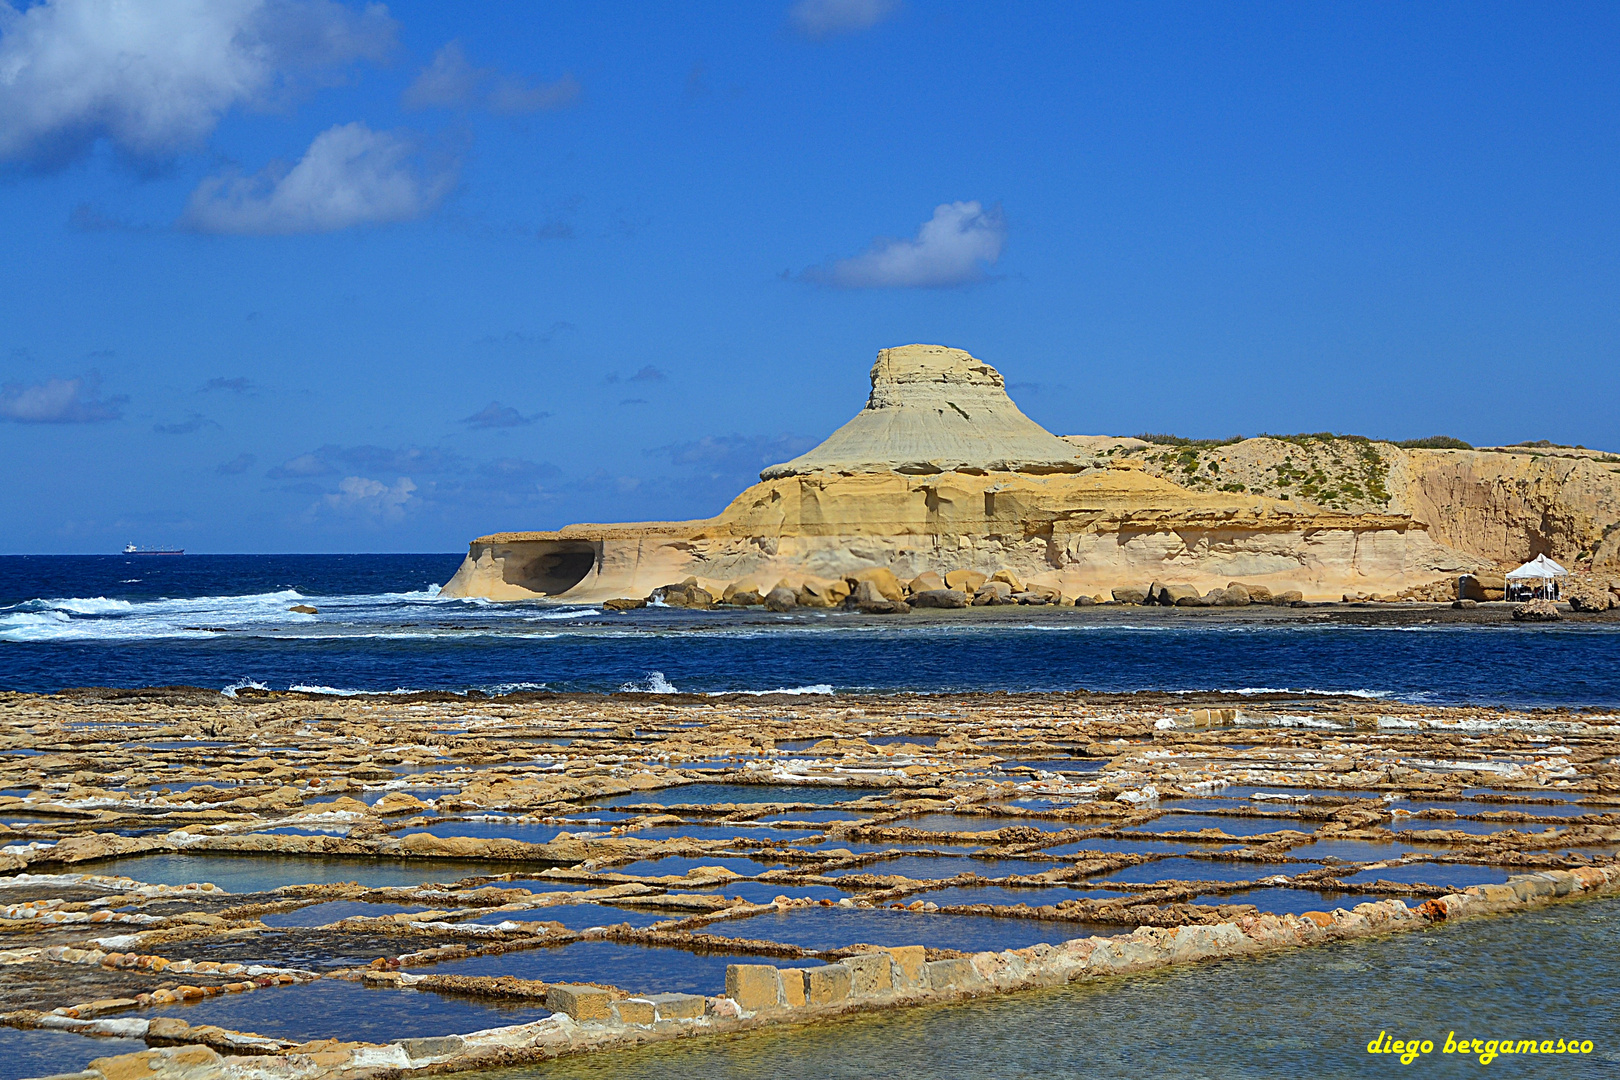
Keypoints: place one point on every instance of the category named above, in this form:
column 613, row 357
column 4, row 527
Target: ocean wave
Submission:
column 243, row 684
column 654, row 683
column 792, row 691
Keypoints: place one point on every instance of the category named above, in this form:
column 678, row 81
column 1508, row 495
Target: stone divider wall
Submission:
column 587, row 1018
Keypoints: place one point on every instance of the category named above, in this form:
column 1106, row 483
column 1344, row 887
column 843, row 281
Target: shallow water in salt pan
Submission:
column 833, row 928
column 1204, row 870
column 258, row 873
column 1281, row 901
column 636, row 968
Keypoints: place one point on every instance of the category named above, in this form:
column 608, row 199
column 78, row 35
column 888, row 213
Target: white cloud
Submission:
column 451, row 82
column 350, row 175
column 372, row 498
column 820, row 19
column 951, row 248
column 59, row 401
column 154, row 77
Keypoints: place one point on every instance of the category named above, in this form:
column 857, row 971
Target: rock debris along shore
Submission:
column 942, row 473
column 1066, row 836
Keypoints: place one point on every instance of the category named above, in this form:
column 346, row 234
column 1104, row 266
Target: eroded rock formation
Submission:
column 942, row 472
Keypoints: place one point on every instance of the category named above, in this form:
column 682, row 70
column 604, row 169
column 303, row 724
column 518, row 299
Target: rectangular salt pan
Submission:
column 639, row 969
column 1205, row 870
column 924, row 868
column 260, row 873
column 834, row 928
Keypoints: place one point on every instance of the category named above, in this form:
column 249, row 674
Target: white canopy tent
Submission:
column 1536, row 578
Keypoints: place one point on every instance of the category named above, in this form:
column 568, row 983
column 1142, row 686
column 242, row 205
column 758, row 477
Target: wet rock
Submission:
column 305, row 609
column 939, row 598
column 623, row 603
column 1536, row 611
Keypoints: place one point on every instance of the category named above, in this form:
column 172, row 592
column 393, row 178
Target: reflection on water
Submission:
column 636, row 968
column 51, row 1053
column 1304, row 1013
column 832, row 928
column 260, row 873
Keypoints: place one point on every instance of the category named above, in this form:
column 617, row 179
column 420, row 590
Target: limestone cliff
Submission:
column 1504, row 505
column 941, row 471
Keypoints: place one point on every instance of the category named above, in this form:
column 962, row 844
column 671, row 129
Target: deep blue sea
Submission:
column 223, row 620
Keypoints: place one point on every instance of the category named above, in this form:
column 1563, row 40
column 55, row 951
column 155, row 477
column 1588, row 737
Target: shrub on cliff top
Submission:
column 1434, row 442
column 1176, row 440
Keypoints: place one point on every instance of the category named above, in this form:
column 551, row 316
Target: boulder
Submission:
column 1192, row 600
column 1010, row 577
column 1536, row 611
column 744, row 593
column 1482, row 585
column 781, row 598
column 928, row 581
column 305, row 609
column 1085, row 601
column 993, row 592
column 686, row 594
column 1156, row 594
column 884, row 579
column 398, row 802
column 1290, row 596
column 1464, row 605
column 1171, row 595
column 939, row 598
column 823, row 592
column 1034, row 597
column 623, row 603
column 1238, row 596
column 1130, row 594
column 966, row 580
column 1588, row 598
column 1258, row 594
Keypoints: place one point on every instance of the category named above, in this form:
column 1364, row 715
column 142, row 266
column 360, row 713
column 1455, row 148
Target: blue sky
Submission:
column 299, row 275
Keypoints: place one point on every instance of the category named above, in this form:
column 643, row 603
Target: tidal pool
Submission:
column 1237, row 1019
column 924, row 867
column 1206, row 870
column 51, row 1053
column 260, row 873
column 639, row 969
column 835, row 928
column 335, row 1008
column 1231, row 826
column 1450, row 875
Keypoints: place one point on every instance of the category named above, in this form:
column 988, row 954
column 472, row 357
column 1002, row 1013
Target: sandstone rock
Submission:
column 1034, row 598
column 742, row 594
column 1288, row 596
column 822, row 592
column 1238, row 596
column 1085, row 601
column 1172, row 595
column 1011, row 577
column 1258, row 594
column 678, row 1006
column 623, row 603
column 754, row 986
column 827, row 985
column 933, row 409
column 398, row 802
column 781, row 599
column 993, row 592
column 635, row 1011
column 793, row 987
column 1481, row 586
column 687, row 594
column 939, row 598
column 305, row 609
column 1464, row 605
column 927, row 581
column 1130, row 595
column 1192, row 601
column 967, row 581
column 580, row 1001
column 869, row 974
column 1536, row 611
column 1589, row 598
column 884, row 580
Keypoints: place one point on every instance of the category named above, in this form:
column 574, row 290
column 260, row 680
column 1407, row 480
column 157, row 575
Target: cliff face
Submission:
column 940, row 472
column 1503, row 505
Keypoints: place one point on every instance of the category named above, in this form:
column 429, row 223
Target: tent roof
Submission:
column 1538, row 567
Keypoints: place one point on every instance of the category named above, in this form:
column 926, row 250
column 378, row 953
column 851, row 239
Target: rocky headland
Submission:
column 942, row 476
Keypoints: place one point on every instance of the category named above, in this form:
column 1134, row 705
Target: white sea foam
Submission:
column 243, row 684
column 818, row 688
column 654, row 683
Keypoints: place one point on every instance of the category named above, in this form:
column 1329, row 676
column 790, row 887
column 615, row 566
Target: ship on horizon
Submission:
column 131, row 549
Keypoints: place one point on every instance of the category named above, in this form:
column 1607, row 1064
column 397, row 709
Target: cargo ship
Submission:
column 131, row 549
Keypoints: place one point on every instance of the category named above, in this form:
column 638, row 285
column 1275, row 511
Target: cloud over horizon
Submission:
column 349, row 176
column 954, row 247
column 60, row 401
column 154, row 78
column 822, row 19
column 496, row 415
column 450, row 81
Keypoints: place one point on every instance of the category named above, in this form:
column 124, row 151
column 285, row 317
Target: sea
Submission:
column 381, row 626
